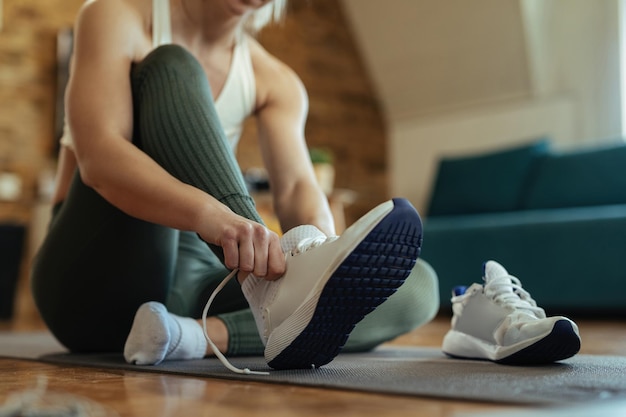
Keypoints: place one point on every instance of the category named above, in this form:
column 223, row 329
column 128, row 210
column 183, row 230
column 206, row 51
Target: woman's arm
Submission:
column 282, row 111
column 110, row 35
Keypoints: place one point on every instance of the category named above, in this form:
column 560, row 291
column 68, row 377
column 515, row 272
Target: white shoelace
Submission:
column 301, row 247
column 507, row 290
column 214, row 348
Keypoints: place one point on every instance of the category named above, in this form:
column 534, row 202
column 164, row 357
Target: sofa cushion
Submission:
column 588, row 177
column 490, row 182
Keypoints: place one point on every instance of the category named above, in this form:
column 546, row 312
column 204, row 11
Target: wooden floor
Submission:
column 139, row 394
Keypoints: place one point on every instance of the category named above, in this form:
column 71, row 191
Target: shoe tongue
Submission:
column 290, row 240
column 493, row 270
column 503, row 286
column 497, row 280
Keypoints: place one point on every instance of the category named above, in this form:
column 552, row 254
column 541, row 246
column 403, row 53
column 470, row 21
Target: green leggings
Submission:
column 97, row 265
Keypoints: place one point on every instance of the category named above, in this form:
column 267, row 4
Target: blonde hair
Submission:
column 273, row 11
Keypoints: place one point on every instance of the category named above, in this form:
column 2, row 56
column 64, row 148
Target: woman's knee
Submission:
column 417, row 298
column 414, row 304
column 171, row 58
column 427, row 286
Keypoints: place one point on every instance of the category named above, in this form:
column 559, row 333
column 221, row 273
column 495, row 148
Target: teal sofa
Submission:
column 555, row 219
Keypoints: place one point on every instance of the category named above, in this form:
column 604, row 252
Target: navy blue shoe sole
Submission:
column 364, row 280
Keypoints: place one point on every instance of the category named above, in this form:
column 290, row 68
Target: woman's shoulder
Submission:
column 272, row 75
column 118, row 13
column 125, row 8
column 263, row 60
column 125, row 19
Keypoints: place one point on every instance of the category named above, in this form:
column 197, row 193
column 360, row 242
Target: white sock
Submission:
column 157, row 335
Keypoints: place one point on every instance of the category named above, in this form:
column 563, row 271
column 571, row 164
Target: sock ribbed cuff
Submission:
column 192, row 344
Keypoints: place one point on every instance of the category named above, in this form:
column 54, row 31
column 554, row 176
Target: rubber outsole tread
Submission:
column 364, row 280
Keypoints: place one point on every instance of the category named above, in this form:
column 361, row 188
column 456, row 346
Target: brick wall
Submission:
column 27, row 91
column 314, row 40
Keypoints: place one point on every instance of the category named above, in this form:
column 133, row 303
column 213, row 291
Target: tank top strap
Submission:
column 161, row 26
column 237, row 99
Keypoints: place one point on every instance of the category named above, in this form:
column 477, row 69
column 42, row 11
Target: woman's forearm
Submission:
column 137, row 185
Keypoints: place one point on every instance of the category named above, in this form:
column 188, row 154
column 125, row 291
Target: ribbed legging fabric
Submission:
column 97, row 265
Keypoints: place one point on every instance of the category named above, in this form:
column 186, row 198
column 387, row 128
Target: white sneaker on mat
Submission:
column 331, row 283
column 499, row 321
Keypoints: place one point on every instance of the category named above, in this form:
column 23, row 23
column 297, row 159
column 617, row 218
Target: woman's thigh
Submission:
column 95, row 267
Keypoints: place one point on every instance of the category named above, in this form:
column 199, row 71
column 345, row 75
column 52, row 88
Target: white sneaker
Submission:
column 499, row 321
column 331, row 283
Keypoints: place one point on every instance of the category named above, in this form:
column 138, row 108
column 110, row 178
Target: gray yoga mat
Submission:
column 390, row 369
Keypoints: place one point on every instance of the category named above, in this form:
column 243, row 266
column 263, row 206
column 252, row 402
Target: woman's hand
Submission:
column 247, row 245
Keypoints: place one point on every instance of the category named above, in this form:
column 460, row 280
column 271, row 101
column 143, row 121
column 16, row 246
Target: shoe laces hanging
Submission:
column 214, row 348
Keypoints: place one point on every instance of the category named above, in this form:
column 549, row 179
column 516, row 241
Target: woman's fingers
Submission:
column 275, row 260
column 230, row 247
column 254, row 249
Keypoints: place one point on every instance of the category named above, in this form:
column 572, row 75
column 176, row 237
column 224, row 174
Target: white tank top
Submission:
column 236, row 100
